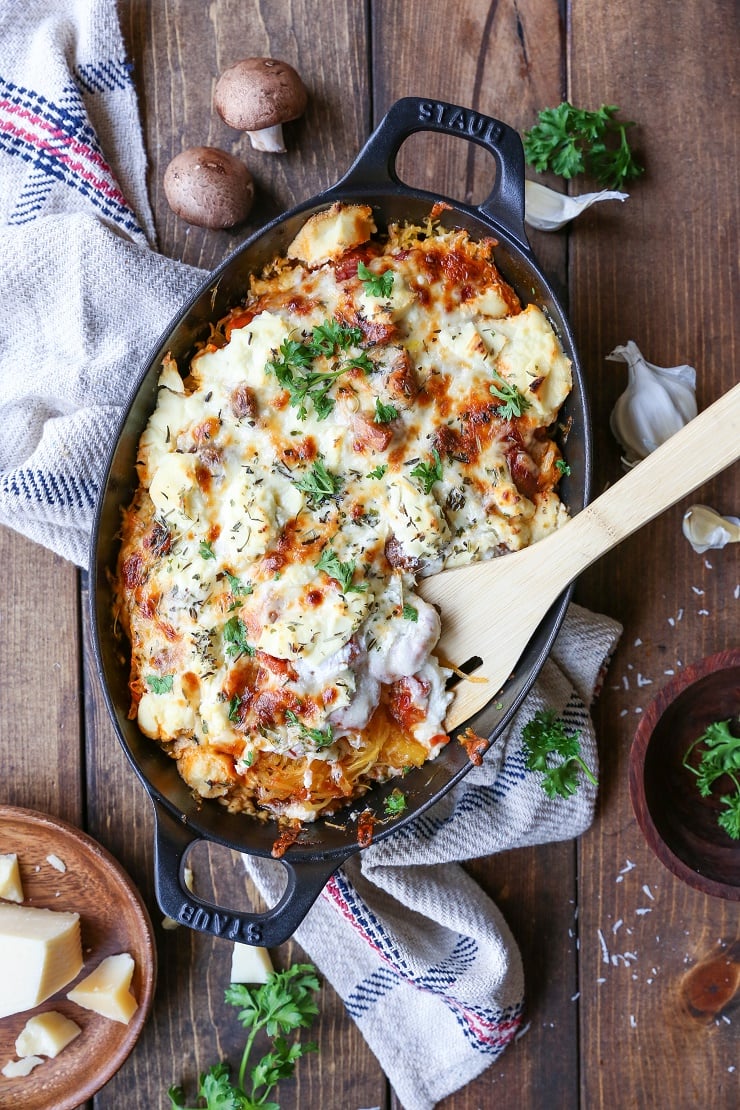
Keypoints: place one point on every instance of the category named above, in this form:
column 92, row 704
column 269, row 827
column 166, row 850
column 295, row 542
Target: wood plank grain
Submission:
column 505, row 59
column 659, row 272
column 40, row 729
column 178, row 50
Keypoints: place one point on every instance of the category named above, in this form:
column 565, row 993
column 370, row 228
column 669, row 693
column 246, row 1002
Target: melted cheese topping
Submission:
column 377, row 409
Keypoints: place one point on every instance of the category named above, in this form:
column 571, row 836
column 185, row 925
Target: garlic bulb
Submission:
column 549, row 210
column 704, row 528
column 657, row 402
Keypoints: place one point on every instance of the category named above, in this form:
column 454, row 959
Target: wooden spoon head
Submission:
column 479, row 636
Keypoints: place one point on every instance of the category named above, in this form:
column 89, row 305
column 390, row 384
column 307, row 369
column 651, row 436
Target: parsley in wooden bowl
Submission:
column 684, row 775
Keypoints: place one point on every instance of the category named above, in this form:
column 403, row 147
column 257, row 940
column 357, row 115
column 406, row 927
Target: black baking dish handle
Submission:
column 306, row 880
column 375, row 165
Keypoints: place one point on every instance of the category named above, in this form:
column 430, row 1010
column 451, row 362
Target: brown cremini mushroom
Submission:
column 259, row 95
column 209, row 187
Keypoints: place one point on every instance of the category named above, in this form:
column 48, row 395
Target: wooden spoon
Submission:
column 528, row 581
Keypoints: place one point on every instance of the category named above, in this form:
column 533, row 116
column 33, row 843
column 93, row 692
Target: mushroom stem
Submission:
column 269, row 138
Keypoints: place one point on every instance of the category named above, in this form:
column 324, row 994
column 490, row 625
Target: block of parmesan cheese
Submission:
column 46, row 1035
column 40, row 953
column 250, row 964
column 11, row 886
column 106, row 989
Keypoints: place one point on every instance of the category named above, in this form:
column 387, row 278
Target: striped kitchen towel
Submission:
column 421, row 956
column 85, row 297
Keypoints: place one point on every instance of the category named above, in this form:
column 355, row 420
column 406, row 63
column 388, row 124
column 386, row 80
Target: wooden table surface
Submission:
column 659, row 270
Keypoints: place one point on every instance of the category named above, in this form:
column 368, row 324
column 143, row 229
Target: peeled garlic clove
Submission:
column 548, row 210
column 704, row 528
column 657, row 402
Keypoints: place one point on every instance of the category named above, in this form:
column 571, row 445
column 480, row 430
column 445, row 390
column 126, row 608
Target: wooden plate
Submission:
column 678, row 823
column 113, row 919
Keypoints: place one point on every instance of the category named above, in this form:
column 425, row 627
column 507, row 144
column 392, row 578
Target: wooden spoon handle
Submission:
column 706, row 445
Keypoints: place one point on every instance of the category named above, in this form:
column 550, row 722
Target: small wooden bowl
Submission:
column 679, row 825
column 113, row 918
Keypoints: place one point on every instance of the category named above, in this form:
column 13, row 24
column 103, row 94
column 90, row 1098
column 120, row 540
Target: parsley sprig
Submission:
column 322, row 738
column 235, row 637
column 160, row 683
column 282, row 1005
column 428, row 473
column 293, row 365
column 377, row 285
column 384, row 413
column 720, row 755
column 331, row 336
column 513, row 402
column 319, row 484
column 237, row 587
column 543, row 738
column 341, row 572
column 569, row 140
column 395, row 804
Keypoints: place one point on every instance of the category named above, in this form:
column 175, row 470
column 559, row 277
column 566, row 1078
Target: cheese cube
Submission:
column 250, row 964
column 10, row 878
column 40, row 953
column 106, row 989
column 15, row 1069
column 46, row 1035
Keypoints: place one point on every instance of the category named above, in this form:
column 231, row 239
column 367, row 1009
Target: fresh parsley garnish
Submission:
column 384, row 413
column 294, row 355
column 322, row 738
column 569, row 141
column 160, row 683
column 720, row 755
column 543, row 738
column 234, row 705
column 395, row 803
column 327, row 337
column 729, row 818
column 359, row 362
column 378, row 471
column 319, row 483
column 293, row 366
column 377, row 285
column 513, row 403
column 410, row 614
column 237, row 587
column 282, row 1005
column 235, row 637
column 304, row 384
column 428, row 473
column 562, row 466
column 339, row 571
column 206, row 551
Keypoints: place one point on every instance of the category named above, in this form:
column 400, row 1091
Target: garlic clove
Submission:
column 705, row 528
column 548, row 210
column 657, row 402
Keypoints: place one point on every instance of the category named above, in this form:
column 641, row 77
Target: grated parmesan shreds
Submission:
column 604, row 949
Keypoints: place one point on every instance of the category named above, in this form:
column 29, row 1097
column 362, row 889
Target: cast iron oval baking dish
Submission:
column 181, row 819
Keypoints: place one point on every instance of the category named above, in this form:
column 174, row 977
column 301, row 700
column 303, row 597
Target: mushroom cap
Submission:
column 259, row 92
column 209, row 187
